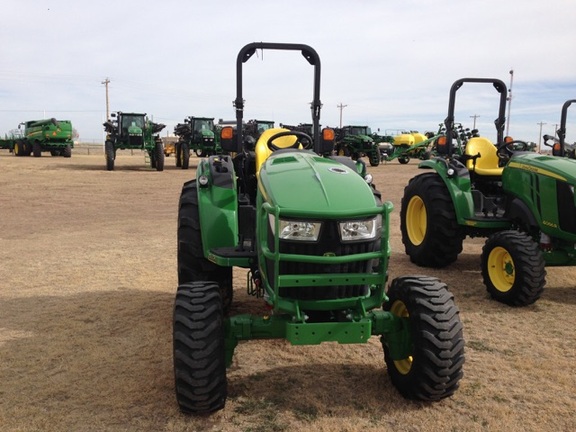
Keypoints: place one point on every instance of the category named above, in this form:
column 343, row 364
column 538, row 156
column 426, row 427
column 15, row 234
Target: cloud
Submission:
column 392, row 63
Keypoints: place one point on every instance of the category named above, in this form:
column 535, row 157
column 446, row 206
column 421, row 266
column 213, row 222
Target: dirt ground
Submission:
column 87, row 284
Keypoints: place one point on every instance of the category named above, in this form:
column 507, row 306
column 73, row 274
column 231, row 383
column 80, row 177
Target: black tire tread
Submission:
column 437, row 339
column 199, row 349
column 529, row 266
column 443, row 240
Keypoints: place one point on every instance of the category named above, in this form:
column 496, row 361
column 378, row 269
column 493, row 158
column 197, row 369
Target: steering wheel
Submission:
column 506, row 149
column 301, row 139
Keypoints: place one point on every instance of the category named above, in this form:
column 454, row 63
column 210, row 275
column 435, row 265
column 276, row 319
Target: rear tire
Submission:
column 430, row 233
column 199, row 348
column 433, row 369
column 513, row 268
column 192, row 265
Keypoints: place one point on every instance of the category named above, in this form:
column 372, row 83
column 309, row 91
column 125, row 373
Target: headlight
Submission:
column 297, row 230
column 360, row 229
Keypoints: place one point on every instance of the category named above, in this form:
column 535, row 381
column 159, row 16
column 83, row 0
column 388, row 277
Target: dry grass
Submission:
column 87, row 280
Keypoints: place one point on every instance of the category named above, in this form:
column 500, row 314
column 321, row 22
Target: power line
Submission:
column 106, row 82
column 540, row 134
column 341, row 107
column 475, row 116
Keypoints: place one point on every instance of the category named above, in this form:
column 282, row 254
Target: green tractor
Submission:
column 357, row 141
column 521, row 201
column 49, row 135
column 559, row 145
column 133, row 131
column 195, row 134
column 314, row 238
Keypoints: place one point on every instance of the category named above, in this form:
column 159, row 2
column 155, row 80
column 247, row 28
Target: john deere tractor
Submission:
column 522, row 202
column 195, row 134
column 133, row 131
column 357, row 141
column 559, row 145
column 314, row 238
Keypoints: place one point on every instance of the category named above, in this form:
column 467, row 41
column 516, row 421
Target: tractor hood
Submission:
column 303, row 183
column 560, row 168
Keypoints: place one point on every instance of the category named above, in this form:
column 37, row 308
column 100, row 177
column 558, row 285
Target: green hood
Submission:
column 560, row 168
column 303, row 183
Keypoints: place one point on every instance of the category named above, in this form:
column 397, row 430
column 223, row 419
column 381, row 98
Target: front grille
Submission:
column 328, row 244
column 135, row 140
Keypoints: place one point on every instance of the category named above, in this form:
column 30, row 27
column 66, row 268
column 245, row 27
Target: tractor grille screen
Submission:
column 328, row 244
column 566, row 208
column 135, row 141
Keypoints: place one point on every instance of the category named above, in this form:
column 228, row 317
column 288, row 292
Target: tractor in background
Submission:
column 522, row 202
column 314, row 238
column 357, row 141
column 195, row 134
column 133, row 131
column 559, row 145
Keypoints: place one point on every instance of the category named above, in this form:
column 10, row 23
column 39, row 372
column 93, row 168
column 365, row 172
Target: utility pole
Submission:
column 556, row 129
column 509, row 101
column 540, row 134
column 106, row 82
column 475, row 116
column 341, row 107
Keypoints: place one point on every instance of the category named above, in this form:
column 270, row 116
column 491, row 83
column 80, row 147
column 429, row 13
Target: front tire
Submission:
column 67, row 151
column 513, row 268
column 430, row 233
column 110, row 155
column 433, row 369
column 192, row 265
column 185, row 156
column 159, row 155
column 199, row 349
column 36, row 149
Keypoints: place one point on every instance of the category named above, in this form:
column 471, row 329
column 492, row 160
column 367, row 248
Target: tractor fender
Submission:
column 458, row 185
column 518, row 210
column 217, row 202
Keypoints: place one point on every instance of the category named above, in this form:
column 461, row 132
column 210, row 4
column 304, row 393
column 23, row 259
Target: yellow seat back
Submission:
column 262, row 151
column 487, row 161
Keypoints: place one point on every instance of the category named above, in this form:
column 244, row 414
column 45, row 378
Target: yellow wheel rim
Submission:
column 399, row 309
column 416, row 221
column 501, row 269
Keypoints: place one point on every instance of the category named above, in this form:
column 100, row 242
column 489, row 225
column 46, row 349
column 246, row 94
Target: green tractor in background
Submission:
column 195, row 134
column 357, row 141
column 133, row 131
column 314, row 237
column 54, row 136
column 521, row 201
column 559, row 145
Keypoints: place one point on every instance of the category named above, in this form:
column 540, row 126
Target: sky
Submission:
column 388, row 64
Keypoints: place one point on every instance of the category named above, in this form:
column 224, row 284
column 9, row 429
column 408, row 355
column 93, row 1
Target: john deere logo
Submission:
column 329, row 254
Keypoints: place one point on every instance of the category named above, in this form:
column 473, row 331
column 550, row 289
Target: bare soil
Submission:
column 87, row 284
